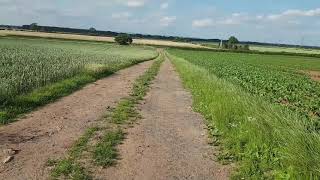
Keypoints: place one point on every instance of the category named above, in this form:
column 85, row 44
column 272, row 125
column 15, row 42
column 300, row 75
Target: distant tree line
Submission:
column 93, row 32
column 52, row 29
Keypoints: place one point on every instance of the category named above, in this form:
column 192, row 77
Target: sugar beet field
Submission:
column 263, row 109
column 261, row 112
column 279, row 79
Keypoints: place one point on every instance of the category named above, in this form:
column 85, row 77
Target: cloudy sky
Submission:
column 279, row 21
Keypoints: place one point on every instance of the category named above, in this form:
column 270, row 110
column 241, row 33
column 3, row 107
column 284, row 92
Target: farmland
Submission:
column 284, row 49
column 260, row 108
column 96, row 38
column 271, row 49
column 28, row 65
column 159, row 90
column 277, row 78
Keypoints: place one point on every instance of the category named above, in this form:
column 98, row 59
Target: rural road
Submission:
column 169, row 142
column 51, row 130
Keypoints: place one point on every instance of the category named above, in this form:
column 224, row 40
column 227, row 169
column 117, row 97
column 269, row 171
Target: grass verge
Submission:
column 69, row 167
column 266, row 140
column 104, row 152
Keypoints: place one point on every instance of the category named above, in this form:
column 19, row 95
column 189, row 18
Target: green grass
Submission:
column 276, row 78
column 124, row 111
column 105, row 152
column 25, row 103
column 211, row 45
column 35, row 72
column 70, row 170
column 69, row 167
column 267, row 140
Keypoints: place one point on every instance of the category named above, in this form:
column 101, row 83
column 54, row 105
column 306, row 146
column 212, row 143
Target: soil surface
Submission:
column 170, row 142
column 315, row 75
column 48, row 132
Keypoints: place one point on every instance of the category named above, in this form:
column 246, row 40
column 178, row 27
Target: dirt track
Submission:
column 51, row 130
column 170, row 142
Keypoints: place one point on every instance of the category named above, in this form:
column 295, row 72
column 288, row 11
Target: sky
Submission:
column 275, row 21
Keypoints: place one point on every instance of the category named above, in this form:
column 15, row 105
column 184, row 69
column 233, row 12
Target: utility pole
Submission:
column 302, row 41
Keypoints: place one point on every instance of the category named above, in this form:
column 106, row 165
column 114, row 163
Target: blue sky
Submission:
column 279, row 21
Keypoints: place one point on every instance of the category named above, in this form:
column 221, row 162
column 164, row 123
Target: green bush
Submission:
column 123, row 39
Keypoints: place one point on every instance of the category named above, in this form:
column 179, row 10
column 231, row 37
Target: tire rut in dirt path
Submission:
column 170, row 141
column 47, row 133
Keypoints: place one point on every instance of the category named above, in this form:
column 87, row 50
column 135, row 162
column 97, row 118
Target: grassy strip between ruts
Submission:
column 28, row 102
column 104, row 152
column 266, row 140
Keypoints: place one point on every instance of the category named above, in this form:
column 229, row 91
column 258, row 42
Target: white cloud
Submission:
column 292, row 13
column 235, row 19
column 201, row 23
column 236, row 14
column 230, row 21
column 259, row 17
column 288, row 17
column 167, row 20
column 121, row 15
column 135, row 3
column 294, row 22
column 164, row 5
column 312, row 12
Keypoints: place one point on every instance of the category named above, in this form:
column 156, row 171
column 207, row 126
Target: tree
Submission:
column 33, row 26
column 246, row 47
column 92, row 29
column 43, row 29
column 233, row 40
column 225, row 45
column 123, row 39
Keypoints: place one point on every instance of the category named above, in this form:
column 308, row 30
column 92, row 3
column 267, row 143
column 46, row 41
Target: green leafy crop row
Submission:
column 266, row 140
column 278, row 79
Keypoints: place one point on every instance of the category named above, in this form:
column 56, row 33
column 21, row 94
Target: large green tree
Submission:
column 34, row 26
column 233, row 40
column 123, row 39
column 92, row 29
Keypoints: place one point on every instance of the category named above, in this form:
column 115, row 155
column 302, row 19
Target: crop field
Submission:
column 271, row 49
column 261, row 108
column 262, row 111
column 277, row 78
column 285, row 49
column 97, row 38
column 153, row 89
column 30, row 64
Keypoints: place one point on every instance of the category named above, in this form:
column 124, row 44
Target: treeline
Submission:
column 94, row 32
column 53, row 29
